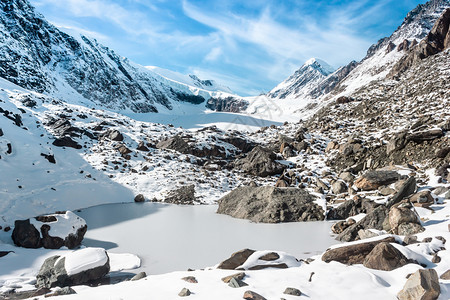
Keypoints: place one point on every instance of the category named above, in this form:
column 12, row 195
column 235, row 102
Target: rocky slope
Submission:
column 36, row 55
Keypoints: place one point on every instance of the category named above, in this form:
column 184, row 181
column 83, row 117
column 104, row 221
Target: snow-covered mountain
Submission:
column 35, row 55
column 314, row 80
column 303, row 80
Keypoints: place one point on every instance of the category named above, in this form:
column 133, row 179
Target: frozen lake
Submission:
column 174, row 238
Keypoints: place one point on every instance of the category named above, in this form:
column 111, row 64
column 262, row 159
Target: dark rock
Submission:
column 139, row 198
column 343, row 100
column 182, row 195
column 351, row 208
column 237, row 276
column 176, row 143
column 236, row 259
column 270, row 205
column 26, row 235
column 373, row 220
column 236, row 283
column 397, row 142
column 49, row 157
column 53, row 273
column 4, row 253
column 436, row 259
column 142, row 147
column 276, row 266
column 139, row 276
column 184, row 292
column 66, row 142
column 353, row 254
column 385, row 257
column 1, row 132
column 228, row 104
column 422, row 197
column 442, row 153
column 406, row 189
column 292, row 291
column 372, row 180
column 270, row 256
column 250, row 295
column 423, row 284
column 423, row 136
column 113, row 135
column 260, row 162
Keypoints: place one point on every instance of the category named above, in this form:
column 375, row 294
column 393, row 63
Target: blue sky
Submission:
column 250, row 45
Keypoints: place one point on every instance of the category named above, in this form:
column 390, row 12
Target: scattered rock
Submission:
column 238, row 276
column 49, row 157
column 270, row 256
column 338, row 187
column 66, row 142
column 250, row 295
column 276, row 266
column 139, row 276
column 190, row 279
column 182, row 195
column 270, row 205
column 401, row 215
column 142, row 147
column 26, row 235
column 422, row 197
column 236, row 283
column 385, row 257
column 423, row 284
column 71, row 269
column 292, row 291
column 407, row 188
column 445, row 275
column 184, row 292
column 366, row 234
column 353, row 254
column 139, row 198
column 372, row 180
column 237, row 259
column 260, row 162
column 113, row 135
column 436, row 259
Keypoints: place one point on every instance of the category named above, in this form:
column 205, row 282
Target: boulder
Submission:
column 182, row 195
column 409, row 229
column 353, row 254
column 50, row 231
column 400, row 215
column 113, row 135
column 139, row 198
column 292, row 291
column 260, row 162
column 373, row 220
column 422, row 285
column 66, row 141
column 372, row 180
column 142, row 147
column 237, row 259
column 445, row 275
column 236, row 283
column 176, row 143
column 351, row 208
column 408, row 187
column 184, row 292
column 78, row 267
column 238, row 276
column 386, row 257
column 422, row 197
column 339, row 187
column 270, row 205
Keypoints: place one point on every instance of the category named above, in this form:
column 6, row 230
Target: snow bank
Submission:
column 64, row 225
column 84, row 259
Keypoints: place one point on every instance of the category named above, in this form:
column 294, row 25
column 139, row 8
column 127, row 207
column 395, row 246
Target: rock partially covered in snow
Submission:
column 371, row 180
column 260, row 162
column 270, row 205
column 423, row 284
column 78, row 267
column 50, row 231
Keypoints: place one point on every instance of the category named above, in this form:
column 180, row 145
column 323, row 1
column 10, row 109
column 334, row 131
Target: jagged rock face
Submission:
column 36, row 55
column 228, row 104
column 437, row 40
column 302, row 81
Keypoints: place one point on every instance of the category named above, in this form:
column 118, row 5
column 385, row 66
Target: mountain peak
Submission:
column 318, row 63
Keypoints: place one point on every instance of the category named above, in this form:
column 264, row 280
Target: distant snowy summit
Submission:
column 190, row 80
column 303, row 80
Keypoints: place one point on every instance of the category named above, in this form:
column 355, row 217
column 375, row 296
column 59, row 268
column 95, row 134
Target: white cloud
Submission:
column 214, row 54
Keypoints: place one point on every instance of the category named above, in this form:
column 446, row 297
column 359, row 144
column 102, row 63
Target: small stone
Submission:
column 427, row 240
column 292, row 291
column 139, row 198
column 236, row 283
column 138, row 276
column 190, row 279
column 184, row 292
column 436, row 259
column 238, row 276
column 250, row 295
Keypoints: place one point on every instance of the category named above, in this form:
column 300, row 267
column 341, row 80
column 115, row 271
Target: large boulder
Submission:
column 50, row 231
column 78, row 267
column 260, row 162
column 270, row 205
column 237, row 259
column 386, row 257
column 353, row 254
column 372, row 180
column 66, row 141
column 422, row 285
column 401, row 215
